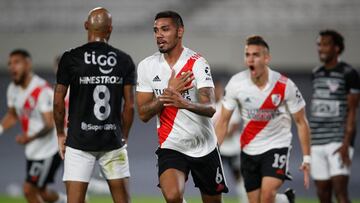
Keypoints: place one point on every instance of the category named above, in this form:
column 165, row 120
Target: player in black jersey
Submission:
column 336, row 88
column 100, row 77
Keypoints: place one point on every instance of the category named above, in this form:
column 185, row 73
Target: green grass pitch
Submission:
column 144, row 199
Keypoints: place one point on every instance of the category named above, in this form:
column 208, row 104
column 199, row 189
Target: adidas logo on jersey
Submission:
column 157, row 79
column 247, row 100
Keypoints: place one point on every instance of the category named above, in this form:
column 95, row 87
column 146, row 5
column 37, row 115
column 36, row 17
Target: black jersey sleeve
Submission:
column 129, row 78
column 63, row 75
column 352, row 81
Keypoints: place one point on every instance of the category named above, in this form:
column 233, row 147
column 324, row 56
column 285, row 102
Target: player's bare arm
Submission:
column 48, row 126
column 59, row 115
column 221, row 126
column 10, row 119
column 205, row 107
column 303, row 129
column 128, row 111
column 352, row 100
column 148, row 105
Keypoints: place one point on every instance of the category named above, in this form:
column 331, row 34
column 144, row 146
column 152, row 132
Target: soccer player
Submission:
column 29, row 101
column 267, row 100
column 336, row 89
column 175, row 84
column 230, row 148
column 100, row 77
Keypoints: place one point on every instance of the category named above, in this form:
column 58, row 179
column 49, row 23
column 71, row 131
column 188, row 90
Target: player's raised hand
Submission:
column 182, row 82
column 305, row 167
column 61, row 144
column 171, row 97
column 343, row 151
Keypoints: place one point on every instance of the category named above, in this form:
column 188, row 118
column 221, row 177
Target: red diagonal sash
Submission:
column 168, row 114
column 29, row 106
column 254, row 126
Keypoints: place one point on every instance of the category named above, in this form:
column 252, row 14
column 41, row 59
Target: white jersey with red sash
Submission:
column 29, row 104
column 179, row 129
column 266, row 113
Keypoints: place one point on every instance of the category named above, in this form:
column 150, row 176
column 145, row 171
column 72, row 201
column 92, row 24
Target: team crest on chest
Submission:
column 333, row 85
column 276, row 98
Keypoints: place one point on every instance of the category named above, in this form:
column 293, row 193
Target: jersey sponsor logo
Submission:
column 92, row 127
column 336, row 74
column 325, row 108
column 158, row 92
column 157, row 79
column 106, row 62
column 321, row 93
column 100, row 80
column 262, row 114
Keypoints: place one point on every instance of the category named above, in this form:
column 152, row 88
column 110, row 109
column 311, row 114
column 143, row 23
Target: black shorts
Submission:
column 273, row 163
column 42, row 172
column 207, row 171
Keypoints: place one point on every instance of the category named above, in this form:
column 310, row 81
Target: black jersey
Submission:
column 96, row 74
column 329, row 102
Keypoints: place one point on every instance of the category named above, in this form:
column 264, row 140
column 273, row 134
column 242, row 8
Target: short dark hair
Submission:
column 24, row 53
column 173, row 15
column 337, row 38
column 257, row 40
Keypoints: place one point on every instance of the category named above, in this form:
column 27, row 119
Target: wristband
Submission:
column 1, row 129
column 306, row 159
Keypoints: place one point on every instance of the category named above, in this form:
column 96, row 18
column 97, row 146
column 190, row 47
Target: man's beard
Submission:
column 20, row 80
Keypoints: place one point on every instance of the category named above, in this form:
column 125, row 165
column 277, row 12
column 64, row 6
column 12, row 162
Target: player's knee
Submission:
column 268, row 195
column 173, row 195
column 341, row 195
column 324, row 195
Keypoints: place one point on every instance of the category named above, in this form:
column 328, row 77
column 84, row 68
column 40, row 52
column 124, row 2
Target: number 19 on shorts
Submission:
column 102, row 107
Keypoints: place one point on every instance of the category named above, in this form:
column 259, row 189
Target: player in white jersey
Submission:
column 230, row 148
column 267, row 100
column 176, row 85
column 29, row 101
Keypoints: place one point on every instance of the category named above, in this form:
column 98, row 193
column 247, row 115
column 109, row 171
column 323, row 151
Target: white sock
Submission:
column 281, row 198
column 62, row 198
column 184, row 201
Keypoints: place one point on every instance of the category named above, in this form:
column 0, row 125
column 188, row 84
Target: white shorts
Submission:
column 79, row 165
column 325, row 164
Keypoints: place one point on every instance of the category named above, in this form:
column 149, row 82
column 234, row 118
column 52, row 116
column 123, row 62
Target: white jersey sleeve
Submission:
column 45, row 101
column 293, row 98
column 143, row 83
column 10, row 96
column 230, row 101
column 202, row 74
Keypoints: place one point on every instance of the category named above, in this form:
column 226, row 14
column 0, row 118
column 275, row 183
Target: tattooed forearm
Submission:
column 148, row 110
column 59, row 107
column 45, row 131
column 206, row 105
